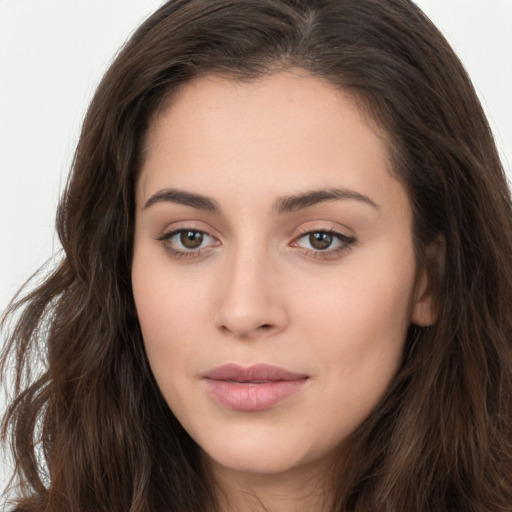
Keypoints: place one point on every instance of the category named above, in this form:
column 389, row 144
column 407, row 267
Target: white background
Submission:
column 52, row 55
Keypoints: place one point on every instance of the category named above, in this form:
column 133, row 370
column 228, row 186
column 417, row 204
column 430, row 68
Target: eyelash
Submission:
column 166, row 240
column 344, row 243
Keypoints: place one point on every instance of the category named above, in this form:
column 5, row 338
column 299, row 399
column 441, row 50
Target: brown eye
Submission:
column 326, row 244
column 187, row 242
column 191, row 239
column 320, row 240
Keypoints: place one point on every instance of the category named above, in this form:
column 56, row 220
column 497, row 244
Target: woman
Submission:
column 286, row 281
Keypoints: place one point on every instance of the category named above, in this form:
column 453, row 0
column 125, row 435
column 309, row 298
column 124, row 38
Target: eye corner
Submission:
column 187, row 242
column 323, row 243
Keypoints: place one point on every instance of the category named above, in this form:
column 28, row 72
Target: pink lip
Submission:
column 252, row 388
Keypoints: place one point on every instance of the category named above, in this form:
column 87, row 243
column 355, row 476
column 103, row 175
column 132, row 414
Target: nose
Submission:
column 252, row 302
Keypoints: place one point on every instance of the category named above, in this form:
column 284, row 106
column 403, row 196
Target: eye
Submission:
column 190, row 239
column 187, row 242
column 320, row 240
column 324, row 243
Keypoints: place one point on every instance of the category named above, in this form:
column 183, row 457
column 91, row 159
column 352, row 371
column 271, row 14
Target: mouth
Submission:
column 252, row 388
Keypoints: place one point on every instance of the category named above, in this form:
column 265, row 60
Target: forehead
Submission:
column 293, row 95
column 280, row 131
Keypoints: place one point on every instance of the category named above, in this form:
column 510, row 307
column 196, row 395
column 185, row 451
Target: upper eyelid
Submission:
column 172, row 232
column 323, row 230
column 341, row 236
column 177, row 227
column 192, row 225
column 178, row 252
column 325, row 227
column 346, row 243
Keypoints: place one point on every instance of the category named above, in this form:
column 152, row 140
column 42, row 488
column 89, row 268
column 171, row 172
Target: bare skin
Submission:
column 269, row 230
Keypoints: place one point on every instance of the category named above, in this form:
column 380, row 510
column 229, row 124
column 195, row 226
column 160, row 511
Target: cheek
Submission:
column 370, row 298
column 359, row 327
column 169, row 321
column 167, row 317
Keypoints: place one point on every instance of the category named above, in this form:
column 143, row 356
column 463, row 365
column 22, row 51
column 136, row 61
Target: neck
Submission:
column 301, row 489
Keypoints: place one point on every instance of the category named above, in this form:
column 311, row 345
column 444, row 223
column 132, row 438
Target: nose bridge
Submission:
column 250, row 301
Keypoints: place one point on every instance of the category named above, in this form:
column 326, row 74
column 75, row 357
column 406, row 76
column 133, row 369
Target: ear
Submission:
column 423, row 312
column 425, row 307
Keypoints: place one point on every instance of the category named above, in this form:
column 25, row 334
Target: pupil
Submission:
column 320, row 241
column 191, row 239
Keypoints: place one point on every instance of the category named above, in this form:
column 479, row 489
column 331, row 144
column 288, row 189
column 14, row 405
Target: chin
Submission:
column 259, row 455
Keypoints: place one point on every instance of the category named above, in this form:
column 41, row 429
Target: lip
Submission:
column 252, row 388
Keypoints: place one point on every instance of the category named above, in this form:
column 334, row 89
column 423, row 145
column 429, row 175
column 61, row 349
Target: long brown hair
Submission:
column 91, row 431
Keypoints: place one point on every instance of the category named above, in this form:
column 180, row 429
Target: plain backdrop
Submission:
column 52, row 55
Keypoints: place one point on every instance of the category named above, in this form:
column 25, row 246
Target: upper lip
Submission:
column 254, row 373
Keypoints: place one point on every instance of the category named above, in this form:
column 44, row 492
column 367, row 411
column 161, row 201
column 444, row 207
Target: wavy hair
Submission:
column 91, row 432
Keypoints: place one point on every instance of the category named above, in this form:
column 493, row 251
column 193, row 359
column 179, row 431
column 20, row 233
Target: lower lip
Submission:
column 246, row 396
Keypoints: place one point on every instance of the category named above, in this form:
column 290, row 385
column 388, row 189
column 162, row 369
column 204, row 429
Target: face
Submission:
column 273, row 272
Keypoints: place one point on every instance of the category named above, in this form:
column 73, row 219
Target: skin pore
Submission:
column 269, row 230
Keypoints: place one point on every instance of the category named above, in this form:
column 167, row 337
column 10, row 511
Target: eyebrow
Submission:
column 283, row 204
column 296, row 202
column 197, row 201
